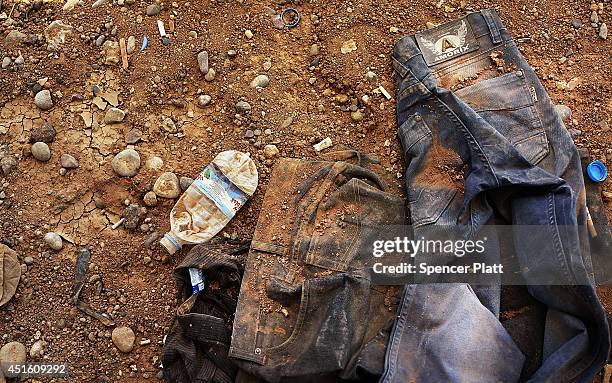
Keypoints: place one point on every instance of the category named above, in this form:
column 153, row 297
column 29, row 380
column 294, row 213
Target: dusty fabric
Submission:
column 307, row 307
column 196, row 348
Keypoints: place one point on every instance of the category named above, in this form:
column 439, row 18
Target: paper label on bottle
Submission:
column 216, row 186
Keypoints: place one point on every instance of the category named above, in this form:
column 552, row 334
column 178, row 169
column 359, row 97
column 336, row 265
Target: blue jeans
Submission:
column 483, row 145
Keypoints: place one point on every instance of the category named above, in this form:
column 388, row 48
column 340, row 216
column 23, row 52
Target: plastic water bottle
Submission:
column 212, row 200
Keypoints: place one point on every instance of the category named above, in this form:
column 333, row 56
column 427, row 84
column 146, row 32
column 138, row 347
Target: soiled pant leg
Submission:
column 502, row 166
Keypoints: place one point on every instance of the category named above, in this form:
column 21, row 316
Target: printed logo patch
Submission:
column 446, row 41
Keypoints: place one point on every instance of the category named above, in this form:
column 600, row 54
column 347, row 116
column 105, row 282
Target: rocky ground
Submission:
column 85, row 133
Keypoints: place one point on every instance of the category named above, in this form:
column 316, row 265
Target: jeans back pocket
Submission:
column 507, row 103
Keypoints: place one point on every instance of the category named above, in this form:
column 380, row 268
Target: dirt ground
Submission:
column 309, row 98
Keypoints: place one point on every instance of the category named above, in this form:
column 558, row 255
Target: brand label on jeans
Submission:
column 446, row 41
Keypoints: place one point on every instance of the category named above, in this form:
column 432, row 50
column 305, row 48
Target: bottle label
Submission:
column 197, row 280
column 216, row 186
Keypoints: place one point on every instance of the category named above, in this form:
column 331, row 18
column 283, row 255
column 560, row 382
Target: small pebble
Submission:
column 204, row 100
column 167, row 186
column 123, row 338
column 126, row 163
column 28, row 260
column 243, row 107
column 69, row 162
column 270, row 151
column 603, row 31
column 210, row 75
column 41, row 151
column 114, row 115
column 261, row 81
column 153, row 9
column 43, row 100
column 249, row 34
column 203, row 61
column 54, row 241
column 185, row 182
column 150, row 199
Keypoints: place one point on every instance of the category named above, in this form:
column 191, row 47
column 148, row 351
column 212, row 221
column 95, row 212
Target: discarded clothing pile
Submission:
column 483, row 146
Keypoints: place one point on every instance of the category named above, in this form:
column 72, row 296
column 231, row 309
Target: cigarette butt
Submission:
column 384, row 92
column 171, row 26
column 118, row 223
column 124, row 58
column 160, row 27
column 590, row 225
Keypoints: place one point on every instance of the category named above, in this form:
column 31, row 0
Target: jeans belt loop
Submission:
column 494, row 28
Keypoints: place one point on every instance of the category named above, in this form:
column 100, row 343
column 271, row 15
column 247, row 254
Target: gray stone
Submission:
column 100, row 40
column 44, row 133
column 261, row 81
column 185, row 182
column 133, row 215
column 8, row 164
column 123, row 338
column 249, row 134
column 203, row 61
column 41, row 151
column 564, row 112
column 167, row 186
column 13, row 352
column 371, row 77
column 28, row 260
column 594, row 17
column 575, row 132
column 131, row 45
column 126, row 163
column 603, row 31
column 576, row 23
column 69, row 162
column 133, row 136
column 15, row 37
column 243, row 107
column 19, row 61
column 43, row 100
column 153, row 9
column 150, row 199
column 114, row 115
column 231, row 53
column 54, row 241
column 204, row 100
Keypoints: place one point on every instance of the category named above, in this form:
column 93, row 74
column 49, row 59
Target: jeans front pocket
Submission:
column 507, row 103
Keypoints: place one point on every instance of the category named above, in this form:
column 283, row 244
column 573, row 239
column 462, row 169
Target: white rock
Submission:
column 260, row 81
column 167, row 186
column 43, row 100
column 69, row 162
column 126, row 163
column 54, row 241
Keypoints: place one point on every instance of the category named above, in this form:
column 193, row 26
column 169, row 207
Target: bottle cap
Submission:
column 170, row 243
column 597, row 171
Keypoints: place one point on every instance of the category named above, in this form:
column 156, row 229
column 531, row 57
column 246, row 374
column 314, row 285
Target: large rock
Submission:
column 123, row 338
column 126, row 163
column 13, row 352
column 167, row 186
column 11, row 273
column 44, row 133
column 41, row 151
